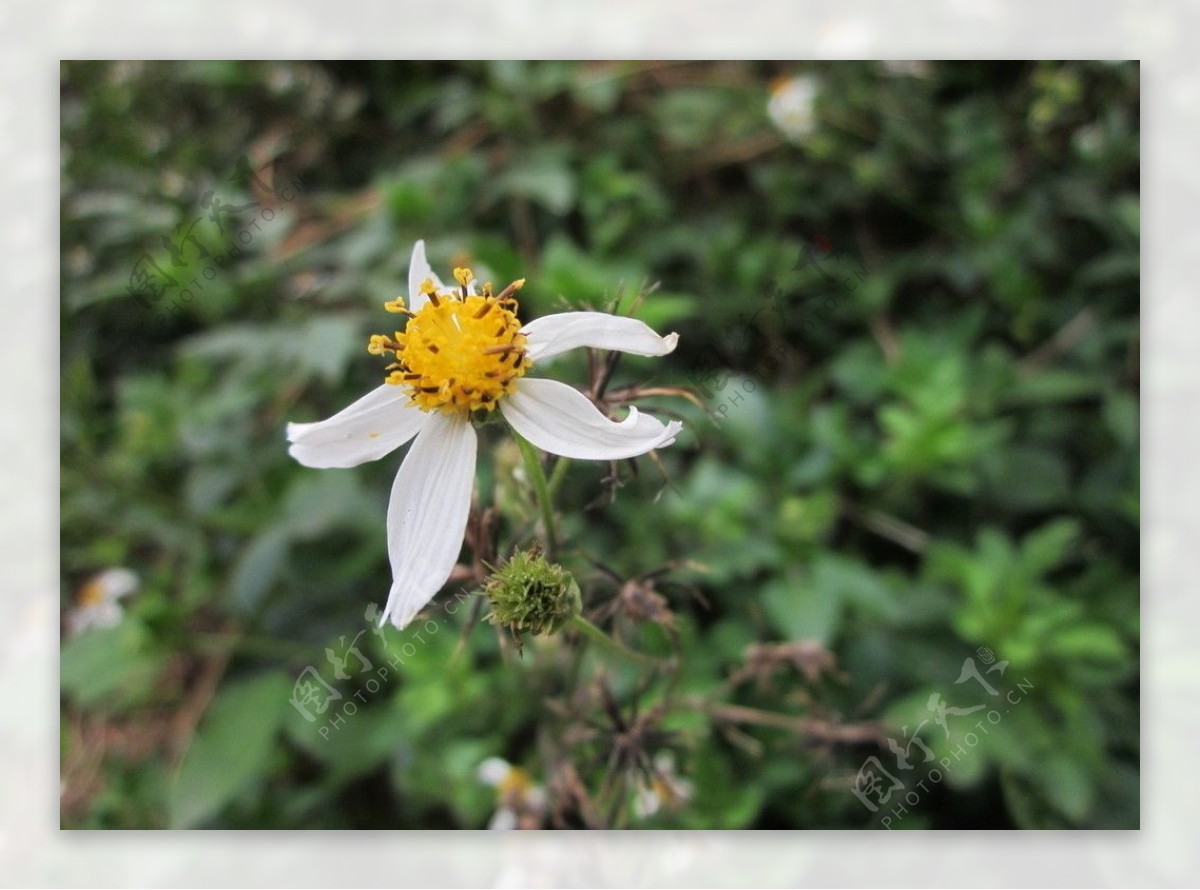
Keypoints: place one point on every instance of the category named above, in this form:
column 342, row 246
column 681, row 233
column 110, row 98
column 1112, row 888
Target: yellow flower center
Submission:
column 92, row 593
column 514, row 786
column 461, row 351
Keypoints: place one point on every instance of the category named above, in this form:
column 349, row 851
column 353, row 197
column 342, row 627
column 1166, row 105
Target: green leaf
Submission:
column 1047, row 547
column 1088, row 641
column 1053, row 386
column 542, row 177
column 1067, row 785
column 800, row 611
column 855, row 584
column 108, row 665
column 1121, row 416
column 359, row 744
column 257, row 569
column 1027, row 478
column 232, row 750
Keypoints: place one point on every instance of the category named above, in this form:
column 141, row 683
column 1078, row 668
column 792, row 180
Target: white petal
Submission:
column 504, row 819
column 418, row 271
column 427, row 514
column 552, row 334
column 375, row 425
column 116, row 583
column 646, row 803
column 494, row 771
column 96, row 615
column 560, row 419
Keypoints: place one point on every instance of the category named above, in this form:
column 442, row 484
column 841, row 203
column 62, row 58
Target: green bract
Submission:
column 528, row 594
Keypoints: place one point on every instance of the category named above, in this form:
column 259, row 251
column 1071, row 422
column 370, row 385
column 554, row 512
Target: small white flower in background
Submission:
column 96, row 603
column 792, row 106
column 462, row 351
column 520, row 803
column 906, row 68
column 664, row 789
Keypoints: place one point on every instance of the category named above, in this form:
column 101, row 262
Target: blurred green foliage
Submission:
column 914, row 332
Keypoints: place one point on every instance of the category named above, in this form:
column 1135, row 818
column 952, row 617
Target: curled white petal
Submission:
column 375, row 425
column 552, row 334
column 427, row 513
column 561, row 420
column 418, row 270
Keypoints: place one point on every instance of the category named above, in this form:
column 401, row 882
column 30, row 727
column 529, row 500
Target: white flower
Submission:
column 494, row 771
column 792, row 106
column 97, row 601
column 520, row 802
column 664, row 788
column 464, row 351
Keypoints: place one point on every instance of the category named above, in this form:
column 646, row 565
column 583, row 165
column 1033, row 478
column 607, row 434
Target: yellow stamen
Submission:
column 378, row 344
column 460, row 354
column 396, row 305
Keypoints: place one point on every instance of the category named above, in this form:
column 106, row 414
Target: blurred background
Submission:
column 893, row 557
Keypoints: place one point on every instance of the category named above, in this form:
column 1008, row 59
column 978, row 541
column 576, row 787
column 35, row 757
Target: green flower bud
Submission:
column 530, row 595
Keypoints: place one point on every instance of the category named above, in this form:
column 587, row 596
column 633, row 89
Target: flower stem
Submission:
column 558, row 474
column 597, row 635
column 533, row 466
